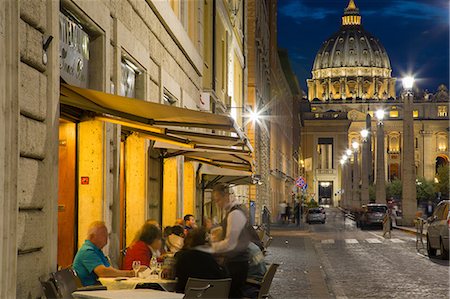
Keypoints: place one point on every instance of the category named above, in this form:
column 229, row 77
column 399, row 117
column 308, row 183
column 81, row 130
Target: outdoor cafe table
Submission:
column 130, row 283
column 124, row 294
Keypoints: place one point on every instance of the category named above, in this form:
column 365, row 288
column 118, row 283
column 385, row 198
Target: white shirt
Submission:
column 235, row 224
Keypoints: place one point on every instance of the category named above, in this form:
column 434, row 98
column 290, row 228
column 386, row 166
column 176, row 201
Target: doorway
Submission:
column 326, row 193
column 67, row 193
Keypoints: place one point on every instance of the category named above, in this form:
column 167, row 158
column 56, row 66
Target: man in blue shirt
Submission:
column 90, row 263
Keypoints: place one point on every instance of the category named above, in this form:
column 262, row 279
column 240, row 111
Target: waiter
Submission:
column 236, row 238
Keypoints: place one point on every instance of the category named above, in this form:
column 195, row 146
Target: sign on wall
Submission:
column 73, row 52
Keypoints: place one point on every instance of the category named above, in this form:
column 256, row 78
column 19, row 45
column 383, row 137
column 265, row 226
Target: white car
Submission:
column 438, row 230
column 315, row 215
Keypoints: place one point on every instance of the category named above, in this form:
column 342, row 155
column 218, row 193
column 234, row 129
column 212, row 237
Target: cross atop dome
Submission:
column 351, row 15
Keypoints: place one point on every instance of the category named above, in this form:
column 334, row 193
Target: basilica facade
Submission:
column 351, row 79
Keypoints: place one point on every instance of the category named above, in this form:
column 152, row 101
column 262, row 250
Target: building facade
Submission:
column 351, row 79
column 64, row 165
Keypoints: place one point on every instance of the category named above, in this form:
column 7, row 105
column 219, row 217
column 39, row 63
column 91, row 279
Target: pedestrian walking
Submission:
column 387, row 224
column 288, row 213
column 282, row 211
column 297, row 213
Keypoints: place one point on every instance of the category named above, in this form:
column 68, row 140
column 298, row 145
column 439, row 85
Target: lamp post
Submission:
column 349, row 179
column 355, row 193
column 380, row 179
column 365, row 168
column 409, row 198
column 344, row 181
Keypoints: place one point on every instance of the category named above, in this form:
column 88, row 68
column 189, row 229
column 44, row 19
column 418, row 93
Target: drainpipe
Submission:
column 214, row 47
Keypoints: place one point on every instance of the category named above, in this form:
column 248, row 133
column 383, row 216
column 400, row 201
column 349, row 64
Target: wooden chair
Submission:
column 205, row 288
column 266, row 282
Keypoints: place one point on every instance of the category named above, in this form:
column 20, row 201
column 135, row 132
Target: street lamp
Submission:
column 348, row 152
column 379, row 114
column 364, row 134
column 254, row 116
column 380, row 179
column 408, row 82
column 409, row 193
column 355, row 188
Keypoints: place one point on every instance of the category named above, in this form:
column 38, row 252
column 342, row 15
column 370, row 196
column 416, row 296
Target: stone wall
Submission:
column 37, row 171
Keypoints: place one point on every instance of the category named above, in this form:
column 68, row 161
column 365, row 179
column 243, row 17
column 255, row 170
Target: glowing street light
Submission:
column 380, row 114
column 254, row 116
column 348, row 152
column 355, row 145
column 364, row 133
column 408, row 82
column 344, row 157
column 343, row 161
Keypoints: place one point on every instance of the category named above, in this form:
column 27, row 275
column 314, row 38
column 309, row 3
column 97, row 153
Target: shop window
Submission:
column 416, row 113
column 442, row 111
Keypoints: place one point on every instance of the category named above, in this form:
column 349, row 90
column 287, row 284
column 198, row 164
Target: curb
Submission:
column 413, row 232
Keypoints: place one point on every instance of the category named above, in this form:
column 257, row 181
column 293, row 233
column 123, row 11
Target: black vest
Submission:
column 239, row 253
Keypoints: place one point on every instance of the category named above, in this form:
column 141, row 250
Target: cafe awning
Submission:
column 212, row 175
column 199, row 136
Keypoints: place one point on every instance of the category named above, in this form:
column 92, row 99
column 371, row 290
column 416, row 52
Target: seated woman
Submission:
column 148, row 244
column 195, row 261
column 175, row 240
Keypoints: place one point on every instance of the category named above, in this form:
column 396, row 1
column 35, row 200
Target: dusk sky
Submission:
column 414, row 33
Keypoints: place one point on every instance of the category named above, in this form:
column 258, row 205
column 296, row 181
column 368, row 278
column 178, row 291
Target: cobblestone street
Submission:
column 337, row 260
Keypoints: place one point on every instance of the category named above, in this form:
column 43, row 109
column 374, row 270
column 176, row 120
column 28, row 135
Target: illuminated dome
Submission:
column 355, row 56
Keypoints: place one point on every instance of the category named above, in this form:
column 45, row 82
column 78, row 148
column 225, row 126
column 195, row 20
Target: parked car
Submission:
column 322, row 209
column 372, row 215
column 438, row 230
column 315, row 215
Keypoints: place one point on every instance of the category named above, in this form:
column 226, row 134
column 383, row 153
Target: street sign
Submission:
column 300, row 182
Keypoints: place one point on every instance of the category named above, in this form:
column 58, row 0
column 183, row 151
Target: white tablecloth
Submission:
column 131, row 283
column 124, row 294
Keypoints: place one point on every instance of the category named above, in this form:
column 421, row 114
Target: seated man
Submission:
column 189, row 223
column 90, row 263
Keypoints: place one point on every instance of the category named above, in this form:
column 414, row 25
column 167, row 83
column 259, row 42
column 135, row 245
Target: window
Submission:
column 325, row 153
column 393, row 113
column 416, row 113
column 442, row 111
column 168, row 98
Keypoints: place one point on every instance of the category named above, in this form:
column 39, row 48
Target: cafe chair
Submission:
column 48, row 287
column 265, row 283
column 67, row 282
column 207, row 288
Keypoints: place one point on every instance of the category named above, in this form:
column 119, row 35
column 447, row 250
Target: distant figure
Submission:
column 282, row 208
column 297, row 211
column 189, row 223
column 387, row 224
column 90, row 263
column 429, row 208
column 288, row 213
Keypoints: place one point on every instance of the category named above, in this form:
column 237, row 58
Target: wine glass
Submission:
column 136, row 267
column 153, row 264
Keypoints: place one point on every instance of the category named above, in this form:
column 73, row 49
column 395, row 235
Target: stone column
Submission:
column 380, row 180
column 355, row 191
column 429, row 154
column 409, row 201
column 369, row 149
column 365, row 172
